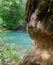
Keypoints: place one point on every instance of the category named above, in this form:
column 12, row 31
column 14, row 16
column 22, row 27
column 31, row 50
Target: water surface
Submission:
column 21, row 39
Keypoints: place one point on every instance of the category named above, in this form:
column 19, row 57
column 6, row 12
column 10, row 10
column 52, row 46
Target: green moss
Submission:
column 43, row 7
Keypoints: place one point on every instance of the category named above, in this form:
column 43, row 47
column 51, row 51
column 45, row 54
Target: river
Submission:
column 20, row 39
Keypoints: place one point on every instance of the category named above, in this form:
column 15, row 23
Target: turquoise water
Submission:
column 21, row 39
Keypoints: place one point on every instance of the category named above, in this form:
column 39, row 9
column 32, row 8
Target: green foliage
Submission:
column 11, row 11
column 7, row 53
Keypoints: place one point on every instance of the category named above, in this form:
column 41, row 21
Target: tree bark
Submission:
column 39, row 17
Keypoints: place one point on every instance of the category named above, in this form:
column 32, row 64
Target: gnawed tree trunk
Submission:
column 39, row 17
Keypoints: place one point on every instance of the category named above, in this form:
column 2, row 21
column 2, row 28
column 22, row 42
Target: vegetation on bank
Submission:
column 9, row 53
column 12, row 14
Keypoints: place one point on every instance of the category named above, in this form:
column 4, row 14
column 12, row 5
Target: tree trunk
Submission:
column 39, row 17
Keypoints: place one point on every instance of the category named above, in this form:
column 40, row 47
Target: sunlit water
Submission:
column 21, row 39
